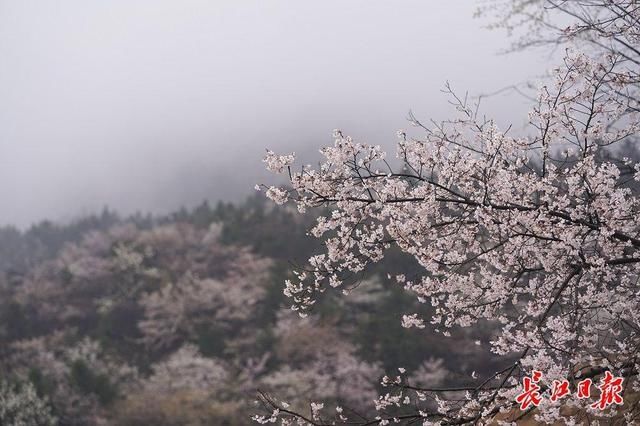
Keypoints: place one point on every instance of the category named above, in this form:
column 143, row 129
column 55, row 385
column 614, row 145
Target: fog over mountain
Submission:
column 148, row 105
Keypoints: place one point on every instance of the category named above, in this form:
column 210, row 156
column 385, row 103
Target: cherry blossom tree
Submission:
column 179, row 311
column 21, row 406
column 185, row 388
column 539, row 23
column 318, row 364
column 538, row 234
column 81, row 379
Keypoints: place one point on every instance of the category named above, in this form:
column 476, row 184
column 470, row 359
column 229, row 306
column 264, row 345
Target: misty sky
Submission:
column 149, row 105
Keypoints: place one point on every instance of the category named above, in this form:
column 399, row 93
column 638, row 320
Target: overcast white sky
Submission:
column 148, row 105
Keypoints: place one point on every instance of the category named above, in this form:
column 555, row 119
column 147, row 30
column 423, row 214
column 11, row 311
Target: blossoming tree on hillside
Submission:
column 537, row 233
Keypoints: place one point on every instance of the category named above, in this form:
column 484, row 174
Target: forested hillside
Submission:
column 181, row 320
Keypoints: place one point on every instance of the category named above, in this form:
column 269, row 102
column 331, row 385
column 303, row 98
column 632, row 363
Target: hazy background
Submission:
column 150, row 105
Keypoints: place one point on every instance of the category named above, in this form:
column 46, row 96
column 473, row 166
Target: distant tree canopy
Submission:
column 180, row 319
